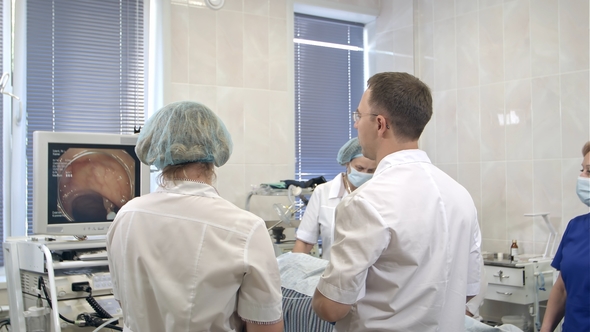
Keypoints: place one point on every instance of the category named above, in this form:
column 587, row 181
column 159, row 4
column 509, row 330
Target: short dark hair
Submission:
column 586, row 149
column 405, row 100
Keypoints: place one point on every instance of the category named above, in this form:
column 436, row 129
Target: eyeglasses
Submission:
column 356, row 115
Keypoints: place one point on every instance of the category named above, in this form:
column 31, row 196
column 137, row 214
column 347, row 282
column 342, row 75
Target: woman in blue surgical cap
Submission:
column 183, row 258
column 570, row 296
column 318, row 220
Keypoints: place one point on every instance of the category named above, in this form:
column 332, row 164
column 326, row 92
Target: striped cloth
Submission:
column 299, row 316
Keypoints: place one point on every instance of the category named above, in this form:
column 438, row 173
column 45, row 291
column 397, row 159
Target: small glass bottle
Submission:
column 513, row 250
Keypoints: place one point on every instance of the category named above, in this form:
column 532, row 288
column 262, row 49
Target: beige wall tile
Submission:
column 257, row 127
column 546, row 117
column 256, row 7
column 467, row 50
column 517, row 48
column 230, row 108
column 574, row 113
column 179, row 52
column 465, row 6
column 445, row 104
column 202, row 49
column 204, row 94
column 519, row 200
column 256, row 52
column 443, row 9
column 469, row 176
column 544, row 37
column 468, row 125
column 493, row 133
column 493, row 200
column 573, row 35
column 445, row 55
column 518, row 120
column 230, row 48
column 491, row 45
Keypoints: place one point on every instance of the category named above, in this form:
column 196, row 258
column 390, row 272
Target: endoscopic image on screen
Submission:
column 90, row 184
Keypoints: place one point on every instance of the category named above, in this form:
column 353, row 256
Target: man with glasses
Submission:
column 406, row 252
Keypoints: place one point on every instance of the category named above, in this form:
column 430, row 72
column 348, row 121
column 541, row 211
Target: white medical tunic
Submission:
column 405, row 252
column 318, row 219
column 185, row 259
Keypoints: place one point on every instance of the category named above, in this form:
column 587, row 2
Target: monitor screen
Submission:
column 81, row 180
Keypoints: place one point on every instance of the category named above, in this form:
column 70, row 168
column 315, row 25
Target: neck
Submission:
column 394, row 146
column 349, row 186
column 194, row 174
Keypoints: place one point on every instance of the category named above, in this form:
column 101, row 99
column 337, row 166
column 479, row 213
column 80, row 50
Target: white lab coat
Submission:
column 185, row 259
column 404, row 245
column 318, row 219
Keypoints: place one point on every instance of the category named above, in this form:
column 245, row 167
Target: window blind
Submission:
column 85, row 69
column 329, row 83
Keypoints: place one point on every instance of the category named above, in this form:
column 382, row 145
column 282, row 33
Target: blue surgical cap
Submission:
column 184, row 132
column 350, row 150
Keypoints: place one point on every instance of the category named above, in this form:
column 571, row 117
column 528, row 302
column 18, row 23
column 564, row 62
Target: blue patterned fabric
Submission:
column 299, row 316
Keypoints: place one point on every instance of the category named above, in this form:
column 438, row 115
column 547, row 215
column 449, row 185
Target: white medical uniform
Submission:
column 185, row 259
column 318, row 218
column 403, row 249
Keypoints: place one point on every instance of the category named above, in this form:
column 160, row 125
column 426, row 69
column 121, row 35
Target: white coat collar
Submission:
column 189, row 188
column 337, row 189
column 402, row 157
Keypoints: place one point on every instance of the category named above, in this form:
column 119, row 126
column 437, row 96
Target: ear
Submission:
column 382, row 125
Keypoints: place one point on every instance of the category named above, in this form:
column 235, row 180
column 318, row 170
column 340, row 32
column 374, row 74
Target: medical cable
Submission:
column 42, row 282
column 108, row 322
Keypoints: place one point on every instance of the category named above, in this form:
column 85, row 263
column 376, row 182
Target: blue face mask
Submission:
column 358, row 178
column 583, row 190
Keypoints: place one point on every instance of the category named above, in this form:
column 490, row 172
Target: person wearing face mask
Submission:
column 570, row 295
column 318, row 219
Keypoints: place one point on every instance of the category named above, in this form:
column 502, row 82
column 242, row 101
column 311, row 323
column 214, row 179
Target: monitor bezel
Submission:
column 41, row 141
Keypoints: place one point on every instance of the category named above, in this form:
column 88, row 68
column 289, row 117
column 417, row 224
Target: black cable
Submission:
column 49, row 301
column 95, row 305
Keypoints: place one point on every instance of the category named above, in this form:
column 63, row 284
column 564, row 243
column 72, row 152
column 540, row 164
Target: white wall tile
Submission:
column 544, row 37
column 425, row 56
column 204, row 94
column 493, row 200
column 403, row 49
column 491, row 45
column 547, row 197
column 179, row 43
column 384, row 59
column 282, row 130
column 546, row 117
column 256, row 7
column 234, row 5
column 469, row 176
column 519, row 199
column 277, row 8
column 257, row 127
column 177, row 92
column 450, row 169
column 229, row 183
column 443, row 9
column 517, row 48
column 230, row 48
column 278, row 57
column 425, row 11
column 445, row 55
column 202, row 49
column 394, row 14
column 445, row 105
column 467, row 50
column 256, row 52
column 573, row 35
column 465, row 6
column 574, row 113
column 468, row 125
column 493, row 136
column 230, row 108
column 518, row 120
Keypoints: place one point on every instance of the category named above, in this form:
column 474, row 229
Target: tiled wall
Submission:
column 237, row 61
column 510, row 81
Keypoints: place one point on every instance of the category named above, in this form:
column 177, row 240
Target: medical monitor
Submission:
column 81, row 180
